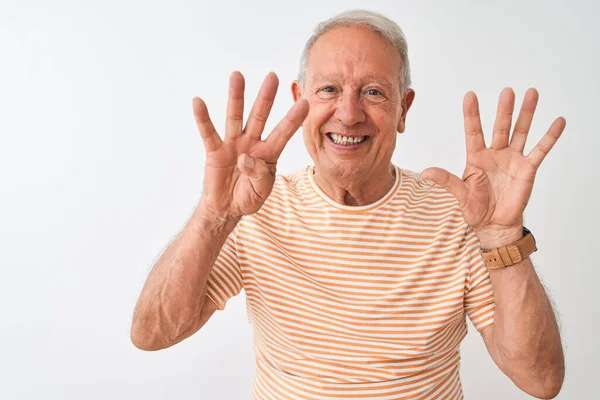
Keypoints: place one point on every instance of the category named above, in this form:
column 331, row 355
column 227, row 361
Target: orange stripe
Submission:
column 347, row 302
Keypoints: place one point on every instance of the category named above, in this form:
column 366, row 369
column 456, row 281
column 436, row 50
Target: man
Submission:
column 359, row 275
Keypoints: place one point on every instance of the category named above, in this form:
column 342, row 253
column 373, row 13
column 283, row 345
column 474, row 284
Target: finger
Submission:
column 286, row 128
column 506, row 107
column 258, row 171
column 207, row 130
column 523, row 124
column 473, row 130
column 448, row 181
column 262, row 106
column 235, row 106
column 541, row 150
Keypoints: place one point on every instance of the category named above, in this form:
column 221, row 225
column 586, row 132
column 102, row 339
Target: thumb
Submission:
column 258, row 172
column 448, row 181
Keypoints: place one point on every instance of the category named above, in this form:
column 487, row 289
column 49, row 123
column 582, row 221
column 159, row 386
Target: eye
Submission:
column 327, row 92
column 375, row 95
column 374, row 92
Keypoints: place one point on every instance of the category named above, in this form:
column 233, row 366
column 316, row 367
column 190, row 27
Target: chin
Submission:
column 347, row 170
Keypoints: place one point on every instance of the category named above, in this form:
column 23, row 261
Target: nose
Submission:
column 349, row 109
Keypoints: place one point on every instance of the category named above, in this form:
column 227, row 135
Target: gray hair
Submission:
column 371, row 20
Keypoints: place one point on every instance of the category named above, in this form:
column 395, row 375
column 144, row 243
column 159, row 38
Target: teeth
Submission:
column 346, row 140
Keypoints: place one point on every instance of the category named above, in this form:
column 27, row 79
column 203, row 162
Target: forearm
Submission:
column 525, row 340
column 174, row 292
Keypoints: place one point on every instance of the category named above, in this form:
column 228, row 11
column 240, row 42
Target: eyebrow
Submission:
column 379, row 79
column 370, row 78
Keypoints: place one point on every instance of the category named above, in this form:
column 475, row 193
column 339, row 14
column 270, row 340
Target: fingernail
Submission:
column 248, row 161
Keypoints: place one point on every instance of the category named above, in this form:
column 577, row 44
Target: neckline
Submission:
column 369, row 207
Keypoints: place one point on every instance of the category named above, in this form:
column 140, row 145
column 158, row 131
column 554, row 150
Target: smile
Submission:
column 345, row 140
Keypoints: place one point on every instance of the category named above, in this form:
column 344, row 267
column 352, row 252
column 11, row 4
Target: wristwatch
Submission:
column 505, row 256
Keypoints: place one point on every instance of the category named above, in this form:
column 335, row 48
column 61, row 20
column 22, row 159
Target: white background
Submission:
column 101, row 165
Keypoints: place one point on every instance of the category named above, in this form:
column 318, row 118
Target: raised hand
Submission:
column 497, row 181
column 240, row 170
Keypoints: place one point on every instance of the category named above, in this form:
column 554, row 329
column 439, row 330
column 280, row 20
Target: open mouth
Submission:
column 341, row 140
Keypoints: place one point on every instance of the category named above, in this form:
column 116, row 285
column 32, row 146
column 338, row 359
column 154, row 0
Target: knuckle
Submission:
column 235, row 117
column 521, row 130
column 260, row 117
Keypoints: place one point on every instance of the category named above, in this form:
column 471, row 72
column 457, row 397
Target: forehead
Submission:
column 353, row 53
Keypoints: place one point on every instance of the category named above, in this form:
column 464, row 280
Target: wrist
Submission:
column 492, row 237
column 209, row 220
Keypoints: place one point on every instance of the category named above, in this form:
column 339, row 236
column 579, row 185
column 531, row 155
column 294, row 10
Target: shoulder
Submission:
column 289, row 192
column 413, row 183
column 429, row 200
column 432, row 204
column 291, row 181
column 290, row 185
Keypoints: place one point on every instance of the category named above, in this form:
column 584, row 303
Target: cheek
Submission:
column 309, row 139
column 385, row 120
column 318, row 114
column 310, row 132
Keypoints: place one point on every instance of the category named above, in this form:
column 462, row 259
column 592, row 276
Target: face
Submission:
column 356, row 107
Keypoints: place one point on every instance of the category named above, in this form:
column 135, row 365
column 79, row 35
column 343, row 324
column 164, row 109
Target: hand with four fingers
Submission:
column 497, row 181
column 240, row 169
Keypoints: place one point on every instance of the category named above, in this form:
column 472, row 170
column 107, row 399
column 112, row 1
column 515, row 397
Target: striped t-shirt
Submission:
column 364, row 302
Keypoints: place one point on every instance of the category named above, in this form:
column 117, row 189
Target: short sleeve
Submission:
column 479, row 297
column 225, row 279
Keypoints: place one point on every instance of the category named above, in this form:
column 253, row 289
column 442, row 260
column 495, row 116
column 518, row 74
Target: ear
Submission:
column 296, row 91
column 407, row 101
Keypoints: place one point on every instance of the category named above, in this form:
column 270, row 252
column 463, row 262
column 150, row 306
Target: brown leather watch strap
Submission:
column 505, row 256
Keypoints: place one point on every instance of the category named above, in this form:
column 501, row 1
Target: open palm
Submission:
column 497, row 181
column 240, row 170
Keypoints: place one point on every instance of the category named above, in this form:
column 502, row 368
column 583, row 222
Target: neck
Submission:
column 361, row 191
